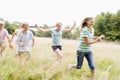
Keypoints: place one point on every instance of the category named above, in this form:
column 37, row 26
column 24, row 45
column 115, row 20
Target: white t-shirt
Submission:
column 26, row 40
column 3, row 34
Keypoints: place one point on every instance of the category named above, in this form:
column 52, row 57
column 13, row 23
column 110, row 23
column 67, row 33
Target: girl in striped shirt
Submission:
column 84, row 49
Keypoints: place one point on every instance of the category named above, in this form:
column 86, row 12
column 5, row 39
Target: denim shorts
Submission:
column 80, row 59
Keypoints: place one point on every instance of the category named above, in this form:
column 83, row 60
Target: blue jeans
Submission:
column 88, row 56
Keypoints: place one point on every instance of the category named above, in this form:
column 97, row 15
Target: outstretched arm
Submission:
column 69, row 30
column 10, row 45
column 14, row 33
column 41, row 29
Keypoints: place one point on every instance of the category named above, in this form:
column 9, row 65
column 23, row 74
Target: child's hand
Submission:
column 10, row 46
column 102, row 36
column 98, row 39
column 36, row 26
column 21, row 44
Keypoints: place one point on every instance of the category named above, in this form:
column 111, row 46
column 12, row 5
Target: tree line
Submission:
column 109, row 25
column 105, row 23
column 16, row 25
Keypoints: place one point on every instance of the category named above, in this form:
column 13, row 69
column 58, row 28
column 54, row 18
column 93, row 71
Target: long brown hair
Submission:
column 84, row 22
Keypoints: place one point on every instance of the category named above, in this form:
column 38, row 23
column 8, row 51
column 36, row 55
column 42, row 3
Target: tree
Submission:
column 108, row 24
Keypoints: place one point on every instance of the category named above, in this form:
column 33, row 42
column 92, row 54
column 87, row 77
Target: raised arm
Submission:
column 41, row 29
column 69, row 30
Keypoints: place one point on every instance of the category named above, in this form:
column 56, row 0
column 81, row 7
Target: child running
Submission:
column 57, row 37
column 84, row 49
column 24, row 41
column 15, row 33
column 3, row 35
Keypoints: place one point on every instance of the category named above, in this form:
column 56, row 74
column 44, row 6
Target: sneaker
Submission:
column 2, row 55
column 71, row 66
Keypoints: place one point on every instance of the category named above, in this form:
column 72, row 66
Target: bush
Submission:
column 42, row 34
column 11, row 27
column 109, row 25
column 32, row 31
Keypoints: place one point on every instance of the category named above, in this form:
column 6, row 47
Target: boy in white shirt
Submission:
column 24, row 41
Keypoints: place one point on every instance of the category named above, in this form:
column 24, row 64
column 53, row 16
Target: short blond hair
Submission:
column 1, row 22
column 25, row 24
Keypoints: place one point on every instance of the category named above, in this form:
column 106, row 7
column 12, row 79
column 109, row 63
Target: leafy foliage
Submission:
column 11, row 26
column 109, row 25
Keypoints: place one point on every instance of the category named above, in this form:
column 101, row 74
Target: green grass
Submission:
column 42, row 65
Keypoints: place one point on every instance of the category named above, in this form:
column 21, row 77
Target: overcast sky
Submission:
column 51, row 11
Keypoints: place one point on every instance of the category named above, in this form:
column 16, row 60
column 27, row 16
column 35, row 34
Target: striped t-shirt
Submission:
column 85, row 33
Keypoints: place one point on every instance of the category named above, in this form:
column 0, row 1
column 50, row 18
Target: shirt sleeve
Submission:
column 6, row 33
column 31, row 35
column 84, row 32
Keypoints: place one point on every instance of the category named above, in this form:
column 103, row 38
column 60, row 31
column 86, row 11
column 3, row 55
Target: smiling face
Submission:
column 90, row 22
column 87, row 22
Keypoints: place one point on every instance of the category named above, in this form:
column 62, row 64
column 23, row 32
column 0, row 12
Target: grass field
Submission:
column 42, row 65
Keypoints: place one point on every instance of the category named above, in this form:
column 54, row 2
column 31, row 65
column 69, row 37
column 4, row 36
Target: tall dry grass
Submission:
column 42, row 65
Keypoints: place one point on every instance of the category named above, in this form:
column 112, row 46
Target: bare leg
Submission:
column 92, row 74
column 23, row 58
column 16, row 54
column 59, row 54
column 27, row 58
column 20, row 60
column 1, row 51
